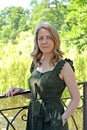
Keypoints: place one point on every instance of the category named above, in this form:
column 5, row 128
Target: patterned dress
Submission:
column 45, row 108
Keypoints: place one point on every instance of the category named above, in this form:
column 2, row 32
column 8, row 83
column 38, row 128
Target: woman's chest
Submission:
column 46, row 79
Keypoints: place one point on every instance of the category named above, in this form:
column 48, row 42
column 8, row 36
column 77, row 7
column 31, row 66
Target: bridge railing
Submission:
column 10, row 122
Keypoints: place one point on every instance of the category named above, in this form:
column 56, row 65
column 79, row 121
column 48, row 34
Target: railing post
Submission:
column 85, row 106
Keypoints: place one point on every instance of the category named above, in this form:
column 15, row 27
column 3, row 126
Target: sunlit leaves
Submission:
column 13, row 20
column 74, row 28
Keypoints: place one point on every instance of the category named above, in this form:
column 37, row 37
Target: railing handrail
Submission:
column 28, row 91
column 20, row 93
column 82, row 83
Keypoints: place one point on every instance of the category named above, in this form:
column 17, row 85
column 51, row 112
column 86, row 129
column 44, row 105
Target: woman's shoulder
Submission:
column 70, row 62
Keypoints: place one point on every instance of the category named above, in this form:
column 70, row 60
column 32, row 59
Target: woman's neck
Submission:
column 47, row 57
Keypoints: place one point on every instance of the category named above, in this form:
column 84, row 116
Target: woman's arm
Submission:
column 14, row 90
column 68, row 75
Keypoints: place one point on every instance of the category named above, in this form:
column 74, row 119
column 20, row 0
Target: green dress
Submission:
column 45, row 108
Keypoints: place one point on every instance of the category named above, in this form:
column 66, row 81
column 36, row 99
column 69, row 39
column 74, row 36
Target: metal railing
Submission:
column 10, row 123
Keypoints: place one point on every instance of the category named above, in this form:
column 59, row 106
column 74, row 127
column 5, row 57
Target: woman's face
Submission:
column 45, row 42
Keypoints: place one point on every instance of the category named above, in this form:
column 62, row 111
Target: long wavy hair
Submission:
column 37, row 54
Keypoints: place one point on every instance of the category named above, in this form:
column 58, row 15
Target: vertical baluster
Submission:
column 85, row 106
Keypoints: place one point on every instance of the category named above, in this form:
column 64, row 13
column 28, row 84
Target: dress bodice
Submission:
column 48, row 85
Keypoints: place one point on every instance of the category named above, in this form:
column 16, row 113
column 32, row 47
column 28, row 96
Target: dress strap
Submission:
column 32, row 67
column 61, row 63
column 71, row 63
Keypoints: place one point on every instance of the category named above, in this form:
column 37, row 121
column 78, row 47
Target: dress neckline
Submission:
column 44, row 72
column 49, row 70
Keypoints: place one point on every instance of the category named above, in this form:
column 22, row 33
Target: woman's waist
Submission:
column 45, row 108
column 50, row 99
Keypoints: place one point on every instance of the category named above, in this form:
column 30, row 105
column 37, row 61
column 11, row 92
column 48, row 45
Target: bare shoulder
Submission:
column 67, row 69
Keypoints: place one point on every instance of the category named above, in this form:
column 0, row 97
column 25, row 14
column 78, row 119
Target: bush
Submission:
column 81, row 66
column 14, row 66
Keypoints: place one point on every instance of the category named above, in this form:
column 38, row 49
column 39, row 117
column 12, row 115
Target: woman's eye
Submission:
column 49, row 37
column 40, row 39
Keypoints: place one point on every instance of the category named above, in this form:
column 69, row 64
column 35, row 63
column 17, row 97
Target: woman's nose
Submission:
column 44, row 40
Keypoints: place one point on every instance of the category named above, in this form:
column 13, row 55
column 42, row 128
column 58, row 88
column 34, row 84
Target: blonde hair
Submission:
column 37, row 54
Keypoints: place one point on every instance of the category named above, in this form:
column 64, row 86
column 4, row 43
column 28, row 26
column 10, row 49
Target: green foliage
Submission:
column 13, row 20
column 69, row 17
column 79, row 61
column 49, row 12
column 74, row 30
column 81, row 66
column 14, row 64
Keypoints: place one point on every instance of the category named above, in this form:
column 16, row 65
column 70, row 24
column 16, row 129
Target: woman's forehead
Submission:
column 43, row 31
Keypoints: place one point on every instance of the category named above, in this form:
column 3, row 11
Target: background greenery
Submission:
column 16, row 37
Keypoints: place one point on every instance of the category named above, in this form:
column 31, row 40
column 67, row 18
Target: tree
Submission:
column 51, row 12
column 14, row 20
column 74, row 30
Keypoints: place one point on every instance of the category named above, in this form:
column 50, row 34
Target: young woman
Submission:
column 50, row 75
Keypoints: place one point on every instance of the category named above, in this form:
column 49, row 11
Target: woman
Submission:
column 50, row 75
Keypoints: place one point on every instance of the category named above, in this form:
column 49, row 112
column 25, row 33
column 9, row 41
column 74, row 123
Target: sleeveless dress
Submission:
column 45, row 108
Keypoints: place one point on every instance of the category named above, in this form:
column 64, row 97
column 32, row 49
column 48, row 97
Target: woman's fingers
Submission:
column 12, row 92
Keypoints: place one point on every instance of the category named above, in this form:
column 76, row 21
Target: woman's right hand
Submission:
column 12, row 91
